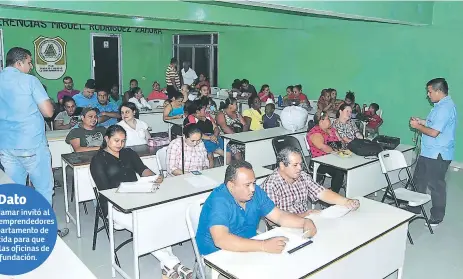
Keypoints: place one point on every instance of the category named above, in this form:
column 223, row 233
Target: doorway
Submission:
column 106, row 60
column 1, row 50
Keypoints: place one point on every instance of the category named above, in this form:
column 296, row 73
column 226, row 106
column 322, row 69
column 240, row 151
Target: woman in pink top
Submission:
column 265, row 94
column 319, row 139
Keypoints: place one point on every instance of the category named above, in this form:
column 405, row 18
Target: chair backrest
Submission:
column 380, row 113
column 391, row 160
column 279, row 143
column 161, row 156
column 192, row 220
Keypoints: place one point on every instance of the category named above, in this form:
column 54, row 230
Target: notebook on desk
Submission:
column 143, row 185
column 295, row 239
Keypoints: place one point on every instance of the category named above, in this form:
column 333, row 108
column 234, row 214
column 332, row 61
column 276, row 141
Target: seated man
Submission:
column 292, row 189
column 86, row 137
column 231, row 214
column 108, row 112
column 87, row 98
column 66, row 119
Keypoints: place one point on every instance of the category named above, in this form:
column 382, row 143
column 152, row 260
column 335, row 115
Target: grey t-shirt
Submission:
column 88, row 138
column 64, row 117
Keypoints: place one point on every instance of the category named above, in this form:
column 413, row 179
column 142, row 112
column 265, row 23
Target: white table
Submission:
column 368, row 243
column 58, row 146
column 62, row 262
column 172, row 122
column 83, row 189
column 258, row 144
column 154, row 119
column 158, row 219
column 364, row 175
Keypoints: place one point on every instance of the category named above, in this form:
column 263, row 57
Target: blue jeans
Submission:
column 35, row 162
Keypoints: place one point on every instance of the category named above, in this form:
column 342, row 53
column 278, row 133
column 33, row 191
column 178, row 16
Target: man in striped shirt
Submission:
column 172, row 78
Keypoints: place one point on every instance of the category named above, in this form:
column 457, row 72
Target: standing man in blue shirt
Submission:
column 437, row 147
column 231, row 214
column 87, row 98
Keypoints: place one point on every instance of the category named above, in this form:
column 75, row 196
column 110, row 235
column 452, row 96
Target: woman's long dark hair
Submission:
column 131, row 106
column 229, row 101
column 113, row 129
column 133, row 91
column 342, row 108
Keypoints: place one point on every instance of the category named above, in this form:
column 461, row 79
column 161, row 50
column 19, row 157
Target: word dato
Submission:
column 12, row 200
column 75, row 26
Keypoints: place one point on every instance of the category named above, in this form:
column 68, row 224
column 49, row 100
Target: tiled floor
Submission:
column 433, row 256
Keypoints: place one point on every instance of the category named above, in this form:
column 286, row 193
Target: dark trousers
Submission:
column 337, row 177
column 430, row 173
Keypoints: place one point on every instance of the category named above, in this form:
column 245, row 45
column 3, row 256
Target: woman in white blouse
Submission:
column 137, row 130
column 136, row 97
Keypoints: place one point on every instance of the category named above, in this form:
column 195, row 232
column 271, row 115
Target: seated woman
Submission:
column 114, row 164
column 265, row 93
column 87, row 136
column 174, row 108
column 194, row 152
column 319, row 139
column 345, row 126
column 211, row 133
column 230, row 122
column 157, row 93
column 137, row 130
column 325, row 103
column 334, row 99
column 202, row 81
column 136, row 97
column 350, row 100
column 253, row 115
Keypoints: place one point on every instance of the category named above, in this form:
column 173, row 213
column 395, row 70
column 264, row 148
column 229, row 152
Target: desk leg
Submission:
column 169, row 128
column 225, row 143
column 76, row 200
column 111, row 239
column 315, row 170
column 65, row 188
column 136, row 268
column 400, row 272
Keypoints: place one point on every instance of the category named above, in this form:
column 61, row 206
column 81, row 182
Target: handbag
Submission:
column 363, row 147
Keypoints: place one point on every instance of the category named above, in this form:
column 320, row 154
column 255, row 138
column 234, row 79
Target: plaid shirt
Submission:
column 195, row 156
column 293, row 197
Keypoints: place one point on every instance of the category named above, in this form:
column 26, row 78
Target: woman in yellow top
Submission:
column 253, row 115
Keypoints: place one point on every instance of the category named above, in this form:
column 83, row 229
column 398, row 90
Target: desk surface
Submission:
column 264, row 134
column 355, row 161
column 155, row 110
column 171, row 189
column 335, row 239
column 57, row 134
column 84, row 158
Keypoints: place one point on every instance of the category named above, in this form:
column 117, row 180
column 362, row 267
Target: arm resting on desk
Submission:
column 319, row 143
column 224, row 240
column 75, row 143
column 289, row 220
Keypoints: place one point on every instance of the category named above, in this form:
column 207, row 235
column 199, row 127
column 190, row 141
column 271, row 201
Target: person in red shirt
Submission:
column 265, row 94
column 298, row 95
column 374, row 120
column 202, row 81
column 157, row 93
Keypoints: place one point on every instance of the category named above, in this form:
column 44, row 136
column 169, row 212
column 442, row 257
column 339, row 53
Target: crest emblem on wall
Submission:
column 50, row 57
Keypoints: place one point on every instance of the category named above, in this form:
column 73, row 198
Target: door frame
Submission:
column 119, row 48
column 2, row 53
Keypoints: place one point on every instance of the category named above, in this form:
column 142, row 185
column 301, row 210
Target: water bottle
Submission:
column 280, row 101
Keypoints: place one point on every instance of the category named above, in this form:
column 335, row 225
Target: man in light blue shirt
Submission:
column 23, row 106
column 87, row 98
column 108, row 112
column 437, row 147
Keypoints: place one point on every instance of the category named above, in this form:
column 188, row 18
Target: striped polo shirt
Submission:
column 171, row 73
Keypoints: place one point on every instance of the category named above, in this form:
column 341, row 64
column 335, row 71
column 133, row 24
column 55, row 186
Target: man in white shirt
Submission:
column 188, row 74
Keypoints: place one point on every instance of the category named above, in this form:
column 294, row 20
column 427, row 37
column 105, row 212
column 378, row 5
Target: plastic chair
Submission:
column 391, row 160
column 192, row 215
column 161, row 157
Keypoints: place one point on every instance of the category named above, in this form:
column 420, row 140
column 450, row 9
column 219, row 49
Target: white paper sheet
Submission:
column 136, row 187
column 332, row 212
column 200, row 181
column 294, row 236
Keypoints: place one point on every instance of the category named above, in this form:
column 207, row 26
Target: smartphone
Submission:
column 196, row 172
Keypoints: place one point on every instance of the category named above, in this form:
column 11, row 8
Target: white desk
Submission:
column 158, row 219
column 364, row 176
column 154, row 119
column 83, row 189
column 258, row 144
column 62, row 262
column 368, row 243
column 171, row 122
column 58, row 146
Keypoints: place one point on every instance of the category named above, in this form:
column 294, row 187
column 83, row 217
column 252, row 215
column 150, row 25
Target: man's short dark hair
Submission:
column 68, row 99
column 133, row 80
column 439, row 84
column 16, row 54
column 245, row 81
column 102, row 90
column 173, row 61
column 232, row 169
column 67, row 77
column 298, row 86
column 283, row 155
column 375, row 106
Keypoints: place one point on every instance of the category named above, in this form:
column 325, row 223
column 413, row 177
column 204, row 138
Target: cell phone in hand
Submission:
column 196, row 172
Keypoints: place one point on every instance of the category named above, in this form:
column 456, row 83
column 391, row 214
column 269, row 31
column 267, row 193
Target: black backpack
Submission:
column 363, row 147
